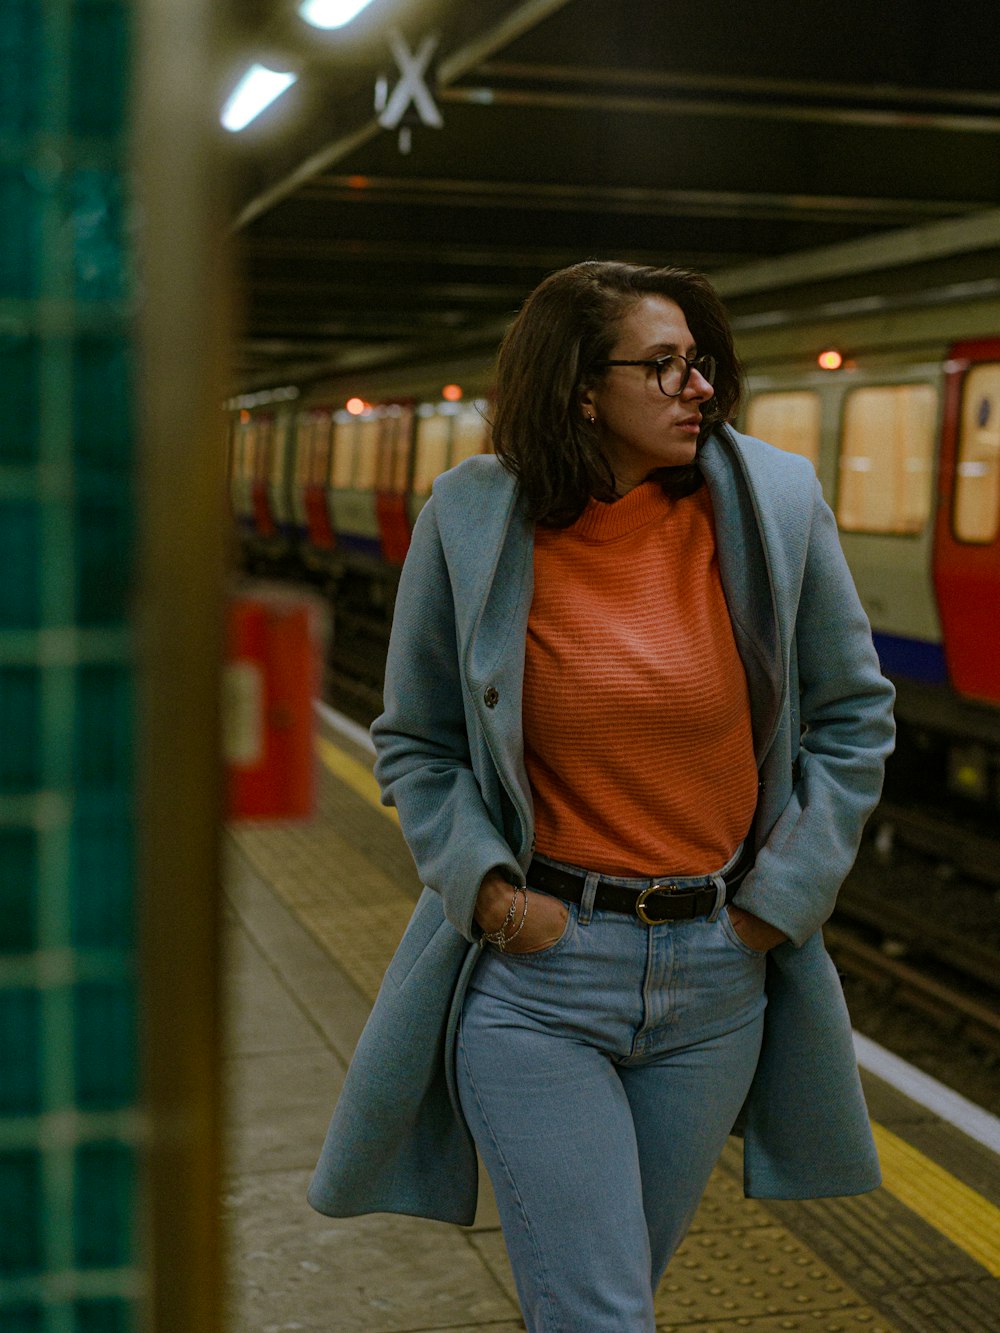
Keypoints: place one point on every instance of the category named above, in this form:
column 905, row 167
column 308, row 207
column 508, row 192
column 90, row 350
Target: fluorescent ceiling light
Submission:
column 257, row 89
column 330, row 13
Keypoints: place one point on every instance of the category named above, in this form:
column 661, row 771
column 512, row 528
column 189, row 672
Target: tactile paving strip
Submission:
column 899, row 1261
column 748, row 1274
column 861, row 1320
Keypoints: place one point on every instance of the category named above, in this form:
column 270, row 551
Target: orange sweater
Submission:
column 636, row 714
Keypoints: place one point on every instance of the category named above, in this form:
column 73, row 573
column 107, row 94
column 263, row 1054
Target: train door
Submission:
column 281, row 478
column 967, row 540
column 395, row 449
column 301, row 432
column 345, row 434
column 262, row 445
column 317, row 479
column 431, row 449
column 242, row 469
column 354, row 503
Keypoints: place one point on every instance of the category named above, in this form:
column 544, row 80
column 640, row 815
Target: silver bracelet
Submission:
column 500, row 937
column 523, row 891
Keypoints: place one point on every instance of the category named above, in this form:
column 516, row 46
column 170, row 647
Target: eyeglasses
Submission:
column 673, row 372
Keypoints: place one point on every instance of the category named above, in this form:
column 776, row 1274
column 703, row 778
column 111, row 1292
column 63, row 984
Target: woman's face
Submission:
column 640, row 428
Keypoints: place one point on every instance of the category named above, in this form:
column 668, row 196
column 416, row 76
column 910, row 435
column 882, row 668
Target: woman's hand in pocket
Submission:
column 753, row 930
column 543, row 926
column 544, row 922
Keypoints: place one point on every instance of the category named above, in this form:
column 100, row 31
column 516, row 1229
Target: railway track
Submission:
column 967, row 846
column 947, row 1001
column 916, row 935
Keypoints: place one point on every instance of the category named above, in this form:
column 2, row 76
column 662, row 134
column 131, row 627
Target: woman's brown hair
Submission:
column 555, row 349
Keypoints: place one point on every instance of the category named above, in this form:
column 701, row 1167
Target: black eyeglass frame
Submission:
column 692, row 363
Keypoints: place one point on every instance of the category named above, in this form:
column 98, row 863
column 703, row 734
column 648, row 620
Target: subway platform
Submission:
column 313, row 913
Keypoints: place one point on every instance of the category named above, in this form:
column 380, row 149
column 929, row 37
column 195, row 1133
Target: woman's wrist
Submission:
column 493, row 901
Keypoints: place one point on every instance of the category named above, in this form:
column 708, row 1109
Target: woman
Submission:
column 634, row 724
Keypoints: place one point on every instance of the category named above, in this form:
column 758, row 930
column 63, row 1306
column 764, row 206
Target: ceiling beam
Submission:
column 595, row 198
column 264, row 250
column 702, row 81
column 894, row 249
column 734, row 108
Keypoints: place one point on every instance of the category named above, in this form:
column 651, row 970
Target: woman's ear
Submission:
column 587, row 406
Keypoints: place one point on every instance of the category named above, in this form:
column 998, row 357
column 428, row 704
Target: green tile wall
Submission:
column 69, row 1124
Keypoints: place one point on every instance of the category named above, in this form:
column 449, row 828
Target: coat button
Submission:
column 492, row 697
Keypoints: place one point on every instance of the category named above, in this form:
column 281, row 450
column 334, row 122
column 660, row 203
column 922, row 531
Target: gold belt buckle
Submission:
column 640, row 903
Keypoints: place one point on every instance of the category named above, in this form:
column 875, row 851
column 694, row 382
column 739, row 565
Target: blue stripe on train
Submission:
column 354, row 541
column 916, row 659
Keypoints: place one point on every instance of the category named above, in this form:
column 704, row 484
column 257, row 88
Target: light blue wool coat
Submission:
column 453, row 766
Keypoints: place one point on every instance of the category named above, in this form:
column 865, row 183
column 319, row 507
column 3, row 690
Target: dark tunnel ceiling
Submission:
column 716, row 135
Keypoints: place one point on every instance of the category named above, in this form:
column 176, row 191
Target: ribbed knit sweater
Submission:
column 636, row 715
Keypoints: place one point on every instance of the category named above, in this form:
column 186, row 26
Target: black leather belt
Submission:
column 661, row 901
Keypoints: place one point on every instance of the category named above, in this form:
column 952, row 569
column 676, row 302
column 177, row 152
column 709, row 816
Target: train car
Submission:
column 906, row 443
column 967, row 549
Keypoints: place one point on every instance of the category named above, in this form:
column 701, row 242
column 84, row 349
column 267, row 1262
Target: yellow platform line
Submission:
column 961, row 1214
column 949, row 1205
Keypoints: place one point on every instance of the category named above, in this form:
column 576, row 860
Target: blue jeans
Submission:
column 600, row 1078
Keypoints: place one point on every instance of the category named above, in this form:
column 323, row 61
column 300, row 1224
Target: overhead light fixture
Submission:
column 257, row 89
column 331, row 13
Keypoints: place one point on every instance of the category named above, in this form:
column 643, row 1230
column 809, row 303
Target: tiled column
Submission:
column 74, row 1121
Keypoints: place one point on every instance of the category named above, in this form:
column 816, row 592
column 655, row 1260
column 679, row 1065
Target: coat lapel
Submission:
column 747, row 580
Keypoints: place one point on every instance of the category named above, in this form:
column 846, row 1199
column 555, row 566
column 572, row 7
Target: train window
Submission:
column 319, row 468
column 433, row 436
column 388, row 428
column 249, row 451
column 404, row 449
column 279, row 450
column 788, row 420
column 345, row 440
column 394, row 448
column 263, row 447
column 366, row 461
column 303, row 447
column 239, row 450
column 886, row 448
column 977, row 481
column 470, row 432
